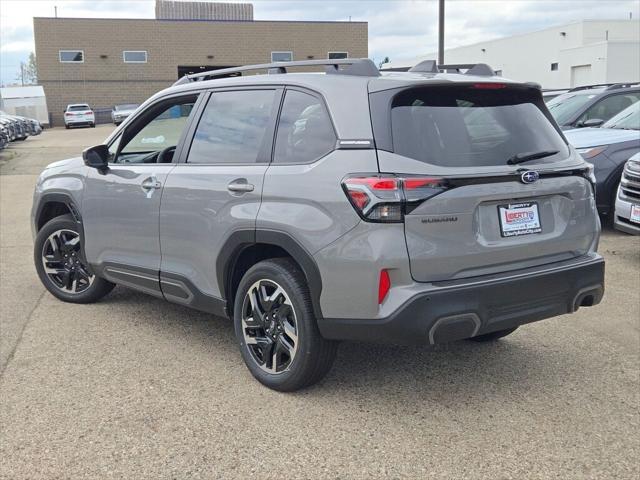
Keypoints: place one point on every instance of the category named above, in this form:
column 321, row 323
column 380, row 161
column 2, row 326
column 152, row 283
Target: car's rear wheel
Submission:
column 61, row 266
column 490, row 337
column 277, row 330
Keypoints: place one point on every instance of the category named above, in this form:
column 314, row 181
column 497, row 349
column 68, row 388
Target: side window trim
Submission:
column 181, row 141
column 263, row 155
column 316, row 95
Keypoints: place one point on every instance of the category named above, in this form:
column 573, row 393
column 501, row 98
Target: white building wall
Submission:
column 619, row 69
column 610, row 47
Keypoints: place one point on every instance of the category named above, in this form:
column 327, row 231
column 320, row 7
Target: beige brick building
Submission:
column 84, row 60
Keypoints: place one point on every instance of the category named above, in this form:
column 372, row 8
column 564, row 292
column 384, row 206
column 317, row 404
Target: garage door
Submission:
column 581, row 75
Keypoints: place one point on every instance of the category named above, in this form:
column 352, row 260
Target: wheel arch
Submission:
column 53, row 205
column 245, row 248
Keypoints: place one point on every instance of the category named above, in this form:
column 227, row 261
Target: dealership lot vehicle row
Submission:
column 133, row 387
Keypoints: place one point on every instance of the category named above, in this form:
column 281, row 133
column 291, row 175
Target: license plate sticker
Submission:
column 519, row 219
column 635, row 213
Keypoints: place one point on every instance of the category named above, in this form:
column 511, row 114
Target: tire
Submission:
column 74, row 282
column 493, row 336
column 286, row 328
column 67, row 127
column 93, row 125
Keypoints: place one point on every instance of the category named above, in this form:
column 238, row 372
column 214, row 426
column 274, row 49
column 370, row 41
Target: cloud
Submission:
column 17, row 47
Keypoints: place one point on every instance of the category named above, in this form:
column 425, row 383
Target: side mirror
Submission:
column 592, row 122
column 97, row 157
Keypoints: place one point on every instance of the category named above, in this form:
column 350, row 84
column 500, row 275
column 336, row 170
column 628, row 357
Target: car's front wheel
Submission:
column 277, row 330
column 61, row 266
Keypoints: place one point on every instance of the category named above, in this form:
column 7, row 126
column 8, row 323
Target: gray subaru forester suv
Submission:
column 418, row 207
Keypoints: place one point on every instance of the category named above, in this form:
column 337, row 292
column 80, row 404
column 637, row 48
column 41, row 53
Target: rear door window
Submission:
column 305, row 132
column 234, row 127
column 467, row 126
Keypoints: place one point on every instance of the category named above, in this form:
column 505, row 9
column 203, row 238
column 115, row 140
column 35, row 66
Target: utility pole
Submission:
column 441, row 32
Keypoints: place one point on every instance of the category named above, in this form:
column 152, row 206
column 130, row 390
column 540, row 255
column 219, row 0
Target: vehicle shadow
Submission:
column 450, row 373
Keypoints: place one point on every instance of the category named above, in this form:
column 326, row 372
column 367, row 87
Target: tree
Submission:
column 28, row 74
column 386, row 60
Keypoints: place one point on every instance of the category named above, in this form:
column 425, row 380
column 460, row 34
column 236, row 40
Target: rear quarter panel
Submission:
column 307, row 201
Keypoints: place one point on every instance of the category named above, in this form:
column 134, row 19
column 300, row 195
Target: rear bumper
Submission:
column 79, row 122
column 454, row 310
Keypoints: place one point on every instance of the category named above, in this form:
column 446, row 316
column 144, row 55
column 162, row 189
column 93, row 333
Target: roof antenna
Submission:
column 55, row 10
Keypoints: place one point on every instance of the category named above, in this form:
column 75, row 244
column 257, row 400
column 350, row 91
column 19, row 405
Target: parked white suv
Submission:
column 627, row 214
column 77, row 114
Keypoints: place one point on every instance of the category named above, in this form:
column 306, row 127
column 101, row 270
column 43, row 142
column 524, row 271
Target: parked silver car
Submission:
column 120, row 112
column 627, row 211
column 418, row 207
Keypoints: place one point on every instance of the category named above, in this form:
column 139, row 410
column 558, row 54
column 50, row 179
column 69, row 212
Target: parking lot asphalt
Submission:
column 133, row 387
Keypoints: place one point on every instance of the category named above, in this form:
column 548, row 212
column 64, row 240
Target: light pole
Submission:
column 441, row 32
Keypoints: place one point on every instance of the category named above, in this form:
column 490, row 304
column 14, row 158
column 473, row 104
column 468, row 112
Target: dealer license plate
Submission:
column 635, row 213
column 519, row 219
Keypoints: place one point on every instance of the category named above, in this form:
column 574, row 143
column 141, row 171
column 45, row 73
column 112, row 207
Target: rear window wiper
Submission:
column 527, row 156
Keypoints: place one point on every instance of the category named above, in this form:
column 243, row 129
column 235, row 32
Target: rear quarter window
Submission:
column 464, row 126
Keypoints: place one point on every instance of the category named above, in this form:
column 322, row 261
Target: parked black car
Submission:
column 608, row 148
column 591, row 106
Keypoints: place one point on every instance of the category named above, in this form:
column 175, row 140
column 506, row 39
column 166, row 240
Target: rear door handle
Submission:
column 240, row 185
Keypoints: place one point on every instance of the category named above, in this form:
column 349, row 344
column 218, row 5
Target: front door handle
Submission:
column 240, row 186
column 151, row 183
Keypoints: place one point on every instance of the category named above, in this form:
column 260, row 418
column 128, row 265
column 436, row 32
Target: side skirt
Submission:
column 171, row 287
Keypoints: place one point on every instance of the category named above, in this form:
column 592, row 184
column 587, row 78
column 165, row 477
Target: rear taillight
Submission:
column 386, row 199
column 69, row 114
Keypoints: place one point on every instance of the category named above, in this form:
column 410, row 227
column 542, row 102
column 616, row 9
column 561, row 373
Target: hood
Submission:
column 69, row 162
column 594, row 137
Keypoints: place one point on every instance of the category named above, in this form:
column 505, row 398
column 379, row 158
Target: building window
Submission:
column 338, row 55
column 554, row 67
column 71, row 56
column 134, row 56
column 281, row 56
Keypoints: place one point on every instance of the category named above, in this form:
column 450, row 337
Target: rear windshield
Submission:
column 471, row 126
column 130, row 106
column 76, row 108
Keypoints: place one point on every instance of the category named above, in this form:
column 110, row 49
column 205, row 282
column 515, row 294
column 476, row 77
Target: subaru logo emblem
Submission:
column 529, row 176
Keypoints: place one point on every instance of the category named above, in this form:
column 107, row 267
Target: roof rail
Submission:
column 622, row 85
column 607, row 86
column 588, row 87
column 430, row 66
column 352, row 66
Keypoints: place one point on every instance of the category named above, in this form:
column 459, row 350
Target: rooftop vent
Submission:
column 174, row 10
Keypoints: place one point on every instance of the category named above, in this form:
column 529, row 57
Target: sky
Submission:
column 398, row 29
